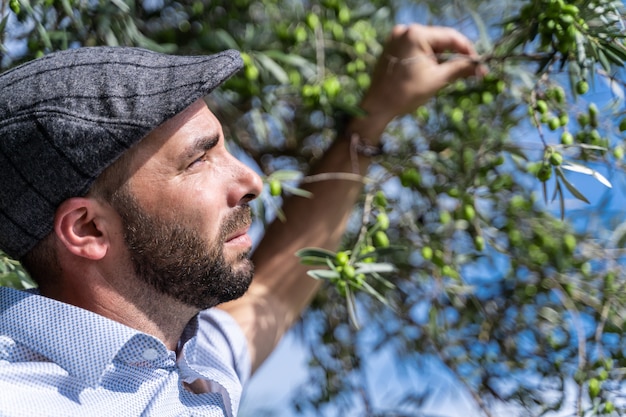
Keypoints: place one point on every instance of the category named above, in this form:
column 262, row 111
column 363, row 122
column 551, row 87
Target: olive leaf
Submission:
column 570, row 166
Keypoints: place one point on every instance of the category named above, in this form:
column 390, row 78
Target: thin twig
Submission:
column 320, row 53
column 569, row 305
column 367, row 210
column 599, row 329
column 345, row 176
column 477, row 398
column 484, row 59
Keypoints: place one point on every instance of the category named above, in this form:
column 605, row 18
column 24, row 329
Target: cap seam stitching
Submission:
column 199, row 60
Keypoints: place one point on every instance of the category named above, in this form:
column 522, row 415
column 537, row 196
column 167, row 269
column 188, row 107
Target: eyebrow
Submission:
column 201, row 144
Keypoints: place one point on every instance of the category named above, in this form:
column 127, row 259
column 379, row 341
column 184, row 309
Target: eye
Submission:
column 200, row 160
column 199, row 151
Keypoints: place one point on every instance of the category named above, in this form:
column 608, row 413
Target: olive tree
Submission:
column 472, row 245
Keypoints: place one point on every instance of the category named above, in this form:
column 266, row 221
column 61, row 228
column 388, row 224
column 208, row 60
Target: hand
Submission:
column 410, row 71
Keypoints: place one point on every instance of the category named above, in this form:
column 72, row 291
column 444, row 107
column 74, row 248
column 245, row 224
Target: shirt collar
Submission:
column 80, row 341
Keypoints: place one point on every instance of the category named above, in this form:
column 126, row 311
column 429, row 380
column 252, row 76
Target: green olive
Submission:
column 582, row 87
column 348, row 272
column 544, row 173
column 275, row 188
column 554, row 123
column 542, row 106
column 427, row 253
column 556, row 158
column 479, row 243
column 381, row 240
column 469, row 212
column 383, row 221
column 342, row 258
column 594, row 387
column 567, row 138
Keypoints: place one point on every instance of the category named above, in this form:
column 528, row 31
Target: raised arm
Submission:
column 407, row 75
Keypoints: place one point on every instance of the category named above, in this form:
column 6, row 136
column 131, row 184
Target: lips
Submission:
column 239, row 234
column 235, row 228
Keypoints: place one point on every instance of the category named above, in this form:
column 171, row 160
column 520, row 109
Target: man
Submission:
column 122, row 201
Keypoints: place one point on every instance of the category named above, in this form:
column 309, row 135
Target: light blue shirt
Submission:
column 60, row 360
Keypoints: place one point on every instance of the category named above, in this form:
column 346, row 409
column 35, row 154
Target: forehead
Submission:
column 194, row 120
column 168, row 139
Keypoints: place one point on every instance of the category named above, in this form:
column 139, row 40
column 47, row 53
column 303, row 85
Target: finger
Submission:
column 465, row 61
column 405, row 38
column 459, row 67
column 448, row 39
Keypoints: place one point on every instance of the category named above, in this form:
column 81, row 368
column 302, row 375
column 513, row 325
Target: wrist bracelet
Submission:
column 357, row 145
column 361, row 148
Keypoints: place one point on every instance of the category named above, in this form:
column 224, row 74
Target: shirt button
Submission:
column 150, row 354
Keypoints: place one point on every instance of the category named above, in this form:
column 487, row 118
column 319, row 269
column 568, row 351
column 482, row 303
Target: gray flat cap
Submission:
column 67, row 116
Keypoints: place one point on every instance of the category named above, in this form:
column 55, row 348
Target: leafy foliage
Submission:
column 518, row 297
column 12, row 274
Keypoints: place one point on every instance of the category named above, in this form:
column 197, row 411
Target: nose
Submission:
column 248, row 184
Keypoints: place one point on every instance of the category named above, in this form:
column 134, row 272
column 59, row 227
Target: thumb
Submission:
column 461, row 66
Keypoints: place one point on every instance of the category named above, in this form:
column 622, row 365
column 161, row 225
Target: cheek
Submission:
column 198, row 201
column 203, row 207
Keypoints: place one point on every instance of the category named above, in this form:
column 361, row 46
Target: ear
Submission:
column 82, row 225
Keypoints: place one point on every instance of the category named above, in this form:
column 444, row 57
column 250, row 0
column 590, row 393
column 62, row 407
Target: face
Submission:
column 185, row 211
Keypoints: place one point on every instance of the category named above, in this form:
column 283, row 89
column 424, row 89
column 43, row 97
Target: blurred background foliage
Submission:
column 506, row 272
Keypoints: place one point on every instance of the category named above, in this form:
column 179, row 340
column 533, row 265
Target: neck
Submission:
column 126, row 300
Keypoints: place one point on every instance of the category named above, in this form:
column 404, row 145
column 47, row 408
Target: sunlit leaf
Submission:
column 3, row 23
column 285, row 175
column 323, row 274
column 226, row 38
column 382, row 280
column 297, row 191
column 307, row 67
column 350, row 304
column 315, row 256
column 570, row 187
column 371, row 291
column 270, row 65
column 604, row 61
column 368, row 268
column 587, row 171
column 120, row 4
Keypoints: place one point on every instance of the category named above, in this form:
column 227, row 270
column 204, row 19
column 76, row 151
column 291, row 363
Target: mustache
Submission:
column 240, row 218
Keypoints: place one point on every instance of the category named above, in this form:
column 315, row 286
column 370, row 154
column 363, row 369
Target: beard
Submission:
column 177, row 261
